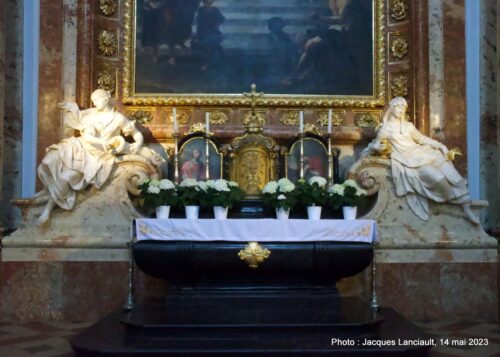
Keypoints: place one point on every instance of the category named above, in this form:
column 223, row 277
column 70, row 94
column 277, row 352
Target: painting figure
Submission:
column 315, row 160
column 342, row 36
column 208, row 39
column 285, row 52
column 194, row 168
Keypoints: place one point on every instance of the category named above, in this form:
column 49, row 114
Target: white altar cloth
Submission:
column 255, row 230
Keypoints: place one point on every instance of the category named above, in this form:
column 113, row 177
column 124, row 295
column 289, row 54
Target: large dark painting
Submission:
column 316, row 47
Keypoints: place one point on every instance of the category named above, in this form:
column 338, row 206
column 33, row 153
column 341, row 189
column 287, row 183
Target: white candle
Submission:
column 329, row 121
column 301, row 122
column 174, row 112
column 207, row 123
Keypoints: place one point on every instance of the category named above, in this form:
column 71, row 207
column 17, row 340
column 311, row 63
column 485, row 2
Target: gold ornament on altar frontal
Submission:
column 290, row 118
column 399, row 9
column 141, row 116
column 106, row 81
column 454, row 152
column 106, row 43
column 107, row 7
column 182, row 118
column 312, row 129
column 254, row 254
column 399, row 47
column 399, row 86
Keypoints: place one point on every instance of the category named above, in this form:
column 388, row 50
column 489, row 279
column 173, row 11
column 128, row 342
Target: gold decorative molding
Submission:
column 106, row 81
column 368, row 120
column 108, row 7
column 182, row 117
column 106, row 43
column 377, row 99
column 399, row 9
column 254, row 122
column 337, row 118
column 218, row 117
column 141, row 116
column 290, row 118
column 254, row 254
column 197, row 128
column 399, row 47
column 399, row 86
column 312, row 129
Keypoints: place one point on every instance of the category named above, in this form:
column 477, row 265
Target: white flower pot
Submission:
column 220, row 212
column 162, row 212
column 192, row 212
column 314, row 212
column 350, row 212
column 281, row 213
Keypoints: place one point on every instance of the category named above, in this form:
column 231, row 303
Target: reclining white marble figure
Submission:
column 76, row 162
column 420, row 166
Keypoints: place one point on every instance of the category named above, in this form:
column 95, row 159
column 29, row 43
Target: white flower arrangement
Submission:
column 220, row 185
column 285, row 185
column 281, row 197
column 166, row 185
column 153, row 189
column 189, row 183
column 353, row 194
column 201, row 185
column 222, row 193
column 321, row 181
column 350, row 183
column 270, row 187
column 336, row 189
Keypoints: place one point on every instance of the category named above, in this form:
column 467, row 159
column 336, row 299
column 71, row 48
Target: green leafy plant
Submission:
column 312, row 192
column 336, row 196
column 192, row 192
column 280, row 194
column 353, row 194
column 222, row 193
column 155, row 193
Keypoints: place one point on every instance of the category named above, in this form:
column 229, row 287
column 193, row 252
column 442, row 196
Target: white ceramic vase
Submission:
column 162, row 212
column 350, row 212
column 192, row 212
column 314, row 212
column 220, row 212
column 281, row 213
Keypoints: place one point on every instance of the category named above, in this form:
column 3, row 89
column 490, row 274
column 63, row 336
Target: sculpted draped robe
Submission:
column 74, row 163
column 419, row 170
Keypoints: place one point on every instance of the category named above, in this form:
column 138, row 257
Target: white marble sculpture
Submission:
column 421, row 169
column 77, row 162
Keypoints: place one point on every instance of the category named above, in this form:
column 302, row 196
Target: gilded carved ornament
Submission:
column 197, row 128
column 337, row 118
column 399, row 9
column 399, row 47
column 182, row 117
column 254, row 254
column 106, row 81
column 290, row 118
column 106, row 43
column 108, row 7
column 367, row 121
column 399, row 86
column 141, row 116
column 218, row 117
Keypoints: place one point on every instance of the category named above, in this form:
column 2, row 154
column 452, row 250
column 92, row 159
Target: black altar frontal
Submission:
column 229, row 296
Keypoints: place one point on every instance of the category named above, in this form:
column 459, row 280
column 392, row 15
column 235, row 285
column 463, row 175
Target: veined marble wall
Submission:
column 489, row 116
column 12, row 131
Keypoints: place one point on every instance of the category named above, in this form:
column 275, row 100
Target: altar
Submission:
column 268, row 286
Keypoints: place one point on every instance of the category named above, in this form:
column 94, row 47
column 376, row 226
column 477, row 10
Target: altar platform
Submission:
column 252, row 286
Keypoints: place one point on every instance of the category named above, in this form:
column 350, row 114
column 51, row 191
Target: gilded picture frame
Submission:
column 377, row 98
column 215, row 159
column 315, row 159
